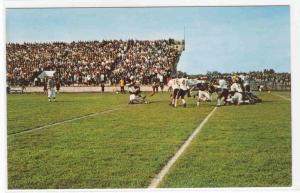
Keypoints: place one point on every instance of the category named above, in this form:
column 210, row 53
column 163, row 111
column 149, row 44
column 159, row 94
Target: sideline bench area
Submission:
column 11, row 90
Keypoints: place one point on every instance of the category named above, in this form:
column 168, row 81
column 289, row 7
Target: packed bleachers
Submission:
column 267, row 78
column 85, row 63
column 92, row 62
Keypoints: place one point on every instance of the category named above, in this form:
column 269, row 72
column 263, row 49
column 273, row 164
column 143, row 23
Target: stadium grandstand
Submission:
column 85, row 63
column 92, row 63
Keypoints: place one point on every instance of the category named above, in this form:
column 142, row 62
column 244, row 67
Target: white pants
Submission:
column 203, row 95
column 237, row 98
column 132, row 97
column 51, row 93
column 135, row 99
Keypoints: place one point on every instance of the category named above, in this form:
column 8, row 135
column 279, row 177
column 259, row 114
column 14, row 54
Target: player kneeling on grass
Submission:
column 51, row 89
column 236, row 96
column 135, row 96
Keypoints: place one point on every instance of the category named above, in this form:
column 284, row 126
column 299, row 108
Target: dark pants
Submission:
column 102, row 87
column 223, row 93
column 122, row 89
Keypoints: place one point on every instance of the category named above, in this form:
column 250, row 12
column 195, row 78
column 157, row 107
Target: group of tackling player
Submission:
column 229, row 90
column 179, row 87
column 135, row 96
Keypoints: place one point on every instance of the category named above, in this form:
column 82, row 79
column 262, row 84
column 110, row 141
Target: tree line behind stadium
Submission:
column 91, row 63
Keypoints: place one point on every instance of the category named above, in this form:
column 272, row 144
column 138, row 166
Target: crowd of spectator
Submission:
column 87, row 63
column 92, row 62
column 268, row 78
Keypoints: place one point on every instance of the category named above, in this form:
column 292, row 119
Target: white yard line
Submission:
column 66, row 121
column 281, row 96
column 158, row 178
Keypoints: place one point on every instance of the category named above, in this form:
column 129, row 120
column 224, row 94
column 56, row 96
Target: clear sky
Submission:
column 225, row 39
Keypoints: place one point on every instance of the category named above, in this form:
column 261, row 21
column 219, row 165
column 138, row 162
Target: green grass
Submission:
column 284, row 94
column 29, row 111
column 239, row 146
column 123, row 149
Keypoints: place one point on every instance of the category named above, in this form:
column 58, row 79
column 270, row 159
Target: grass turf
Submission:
column 123, row 149
column 239, row 146
column 29, row 111
column 283, row 94
column 126, row 148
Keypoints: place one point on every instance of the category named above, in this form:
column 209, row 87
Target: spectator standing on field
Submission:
column 102, row 87
column 155, row 86
column 57, row 86
column 45, row 88
column 122, row 84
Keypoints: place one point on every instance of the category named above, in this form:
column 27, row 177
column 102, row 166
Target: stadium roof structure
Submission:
column 46, row 74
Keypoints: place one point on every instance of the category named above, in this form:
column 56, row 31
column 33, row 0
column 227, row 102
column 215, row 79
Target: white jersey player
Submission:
column 134, row 94
column 183, row 89
column 174, row 85
column 237, row 90
column 222, row 91
column 222, row 84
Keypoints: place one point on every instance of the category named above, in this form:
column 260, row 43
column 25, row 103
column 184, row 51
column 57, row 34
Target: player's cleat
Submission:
column 184, row 105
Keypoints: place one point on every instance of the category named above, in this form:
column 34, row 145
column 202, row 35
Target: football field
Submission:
column 95, row 140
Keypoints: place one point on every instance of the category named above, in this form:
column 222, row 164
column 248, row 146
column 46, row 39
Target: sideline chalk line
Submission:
column 281, row 96
column 158, row 178
column 65, row 121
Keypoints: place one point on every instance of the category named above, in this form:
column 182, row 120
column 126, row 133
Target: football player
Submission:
column 174, row 85
column 183, row 87
column 236, row 92
column 203, row 94
column 222, row 91
column 135, row 96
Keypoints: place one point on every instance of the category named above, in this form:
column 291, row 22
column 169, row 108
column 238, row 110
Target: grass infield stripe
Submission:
column 65, row 121
column 158, row 178
column 288, row 99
